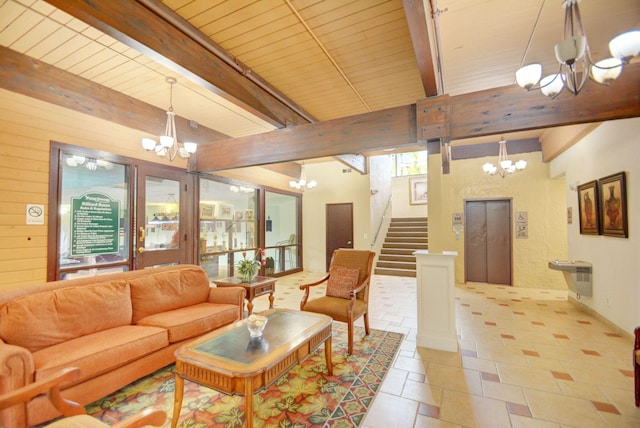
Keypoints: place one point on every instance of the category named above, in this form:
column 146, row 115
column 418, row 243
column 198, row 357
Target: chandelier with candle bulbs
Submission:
column 574, row 56
column 169, row 144
column 302, row 182
column 505, row 165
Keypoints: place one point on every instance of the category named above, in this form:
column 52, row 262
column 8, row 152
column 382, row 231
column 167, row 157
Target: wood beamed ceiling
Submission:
column 152, row 28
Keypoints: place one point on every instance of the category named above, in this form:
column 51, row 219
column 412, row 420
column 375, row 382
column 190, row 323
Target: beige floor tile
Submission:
column 563, row 410
column 473, row 411
column 390, row 411
column 504, row 392
column 423, row 392
column 528, row 377
column 495, row 325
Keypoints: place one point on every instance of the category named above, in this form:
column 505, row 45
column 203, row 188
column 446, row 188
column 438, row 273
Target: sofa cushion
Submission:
column 165, row 291
column 43, row 319
column 192, row 321
column 100, row 352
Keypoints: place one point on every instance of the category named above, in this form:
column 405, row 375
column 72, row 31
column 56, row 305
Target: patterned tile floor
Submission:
column 527, row 358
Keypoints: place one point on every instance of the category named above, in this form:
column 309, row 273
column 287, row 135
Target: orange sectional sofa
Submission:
column 116, row 328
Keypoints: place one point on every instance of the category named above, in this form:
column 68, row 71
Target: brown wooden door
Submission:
column 488, row 241
column 164, row 232
column 339, row 228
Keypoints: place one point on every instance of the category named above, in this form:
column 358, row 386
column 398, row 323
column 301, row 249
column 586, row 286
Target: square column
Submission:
column 436, row 300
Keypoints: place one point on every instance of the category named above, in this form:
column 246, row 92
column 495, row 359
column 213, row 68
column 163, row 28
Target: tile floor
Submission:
column 527, row 358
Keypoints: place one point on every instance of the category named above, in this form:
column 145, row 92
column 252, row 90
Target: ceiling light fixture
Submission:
column 169, row 144
column 505, row 166
column 302, row 183
column 574, row 56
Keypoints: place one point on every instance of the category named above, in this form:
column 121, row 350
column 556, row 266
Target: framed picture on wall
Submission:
column 588, row 208
column 418, row 190
column 207, row 211
column 226, row 211
column 613, row 205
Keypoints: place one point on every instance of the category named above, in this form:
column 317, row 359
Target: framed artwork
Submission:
column 248, row 214
column 588, row 208
column 226, row 211
column 418, row 190
column 207, row 211
column 613, row 205
column 238, row 215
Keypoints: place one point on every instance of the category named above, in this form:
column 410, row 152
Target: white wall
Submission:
column 613, row 147
column 401, row 202
column 334, row 186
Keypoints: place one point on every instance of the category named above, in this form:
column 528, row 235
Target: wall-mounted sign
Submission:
column 35, row 214
column 94, row 225
column 522, row 225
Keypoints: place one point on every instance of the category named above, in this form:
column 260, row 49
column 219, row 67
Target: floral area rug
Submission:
column 306, row 396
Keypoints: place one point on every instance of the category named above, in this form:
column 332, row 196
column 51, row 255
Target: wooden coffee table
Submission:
column 230, row 361
column 259, row 286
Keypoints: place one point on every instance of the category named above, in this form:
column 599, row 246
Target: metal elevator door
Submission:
column 488, row 241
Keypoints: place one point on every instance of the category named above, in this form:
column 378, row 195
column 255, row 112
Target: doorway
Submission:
column 339, row 227
column 488, row 252
column 108, row 213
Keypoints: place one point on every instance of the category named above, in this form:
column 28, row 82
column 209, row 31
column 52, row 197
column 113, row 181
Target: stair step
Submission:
column 408, row 234
column 407, row 229
column 396, row 265
column 409, row 246
column 396, row 272
column 397, row 251
column 407, row 239
column 396, row 258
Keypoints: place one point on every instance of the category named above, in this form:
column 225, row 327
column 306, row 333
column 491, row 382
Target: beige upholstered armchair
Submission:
column 347, row 295
column 75, row 414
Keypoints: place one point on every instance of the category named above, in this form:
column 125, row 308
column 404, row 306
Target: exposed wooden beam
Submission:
column 28, row 76
column 511, row 108
column 290, row 169
column 140, row 28
column 495, row 111
column 418, row 27
column 393, row 127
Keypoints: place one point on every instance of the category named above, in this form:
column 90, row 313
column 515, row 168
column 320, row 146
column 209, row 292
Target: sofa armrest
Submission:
column 230, row 296
column 16, row 370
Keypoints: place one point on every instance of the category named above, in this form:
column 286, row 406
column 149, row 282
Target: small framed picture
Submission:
column 418, row 190
column 588, row 208
column 238, row 215
column 613, row 205
column 248, row 214
column 226, row 212
column 207, row 211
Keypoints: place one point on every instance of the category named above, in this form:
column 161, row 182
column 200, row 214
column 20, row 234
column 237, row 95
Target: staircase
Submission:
column 405, row 235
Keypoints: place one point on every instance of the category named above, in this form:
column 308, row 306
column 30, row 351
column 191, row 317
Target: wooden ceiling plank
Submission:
column 138, row 27
column 417, row 20
column 36, row 79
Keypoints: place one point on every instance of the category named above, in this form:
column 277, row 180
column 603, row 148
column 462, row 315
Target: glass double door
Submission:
column 112, row 214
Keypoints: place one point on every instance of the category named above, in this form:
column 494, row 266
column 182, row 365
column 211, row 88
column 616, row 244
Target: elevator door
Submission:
column 488, row 241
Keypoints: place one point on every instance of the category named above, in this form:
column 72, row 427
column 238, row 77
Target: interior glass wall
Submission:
column 228, row 226
column 282, row 232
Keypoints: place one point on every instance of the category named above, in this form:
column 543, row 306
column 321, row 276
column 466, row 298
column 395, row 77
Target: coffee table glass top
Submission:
column 237, row 345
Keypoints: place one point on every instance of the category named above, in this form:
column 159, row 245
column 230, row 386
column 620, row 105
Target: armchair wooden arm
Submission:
column 307, row 287
column 154, row 416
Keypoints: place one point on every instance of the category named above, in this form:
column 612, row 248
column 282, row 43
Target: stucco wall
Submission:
column 402, row 207
column 333, row 187
column 531, row 190
column 611, row 148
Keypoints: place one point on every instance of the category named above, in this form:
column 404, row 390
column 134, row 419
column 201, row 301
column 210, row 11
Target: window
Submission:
column 410, row 163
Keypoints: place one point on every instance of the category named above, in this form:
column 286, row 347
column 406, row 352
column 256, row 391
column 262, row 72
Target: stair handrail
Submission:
column 384, row 214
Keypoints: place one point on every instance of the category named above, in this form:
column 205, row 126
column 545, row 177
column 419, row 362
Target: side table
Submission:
column 259, row 286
